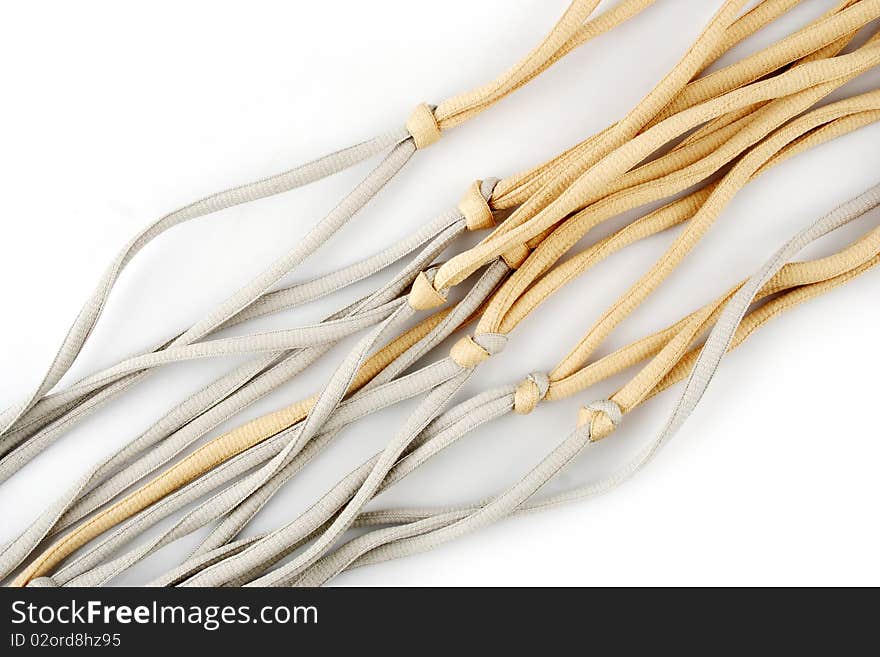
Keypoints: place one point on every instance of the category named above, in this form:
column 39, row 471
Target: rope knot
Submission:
column 474, row 205
column 422, row 125
column 423, row 295
column 471, row 351
column 602, row 417
column 529, row 392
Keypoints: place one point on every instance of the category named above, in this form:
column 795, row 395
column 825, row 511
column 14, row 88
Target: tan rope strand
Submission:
column 595, row 27
column 299, row 412
column 830, row 50
column 836, row 24
column 607, row 141
column 705, row 217
column 514, row 191
column 754, row 20
column 588, row 187
column 793, row 276
column 228, row 445
column 861, row 254
column 760, row 316
column 653, row 223
column 680, row 155
column 568, row 33
column 158, row 488
column 666, row 217
column 448, row 113
column 426, row 123
column 661, row 371
column 651, row 189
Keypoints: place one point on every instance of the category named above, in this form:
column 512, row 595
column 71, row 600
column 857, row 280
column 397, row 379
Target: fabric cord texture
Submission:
column 677, row 159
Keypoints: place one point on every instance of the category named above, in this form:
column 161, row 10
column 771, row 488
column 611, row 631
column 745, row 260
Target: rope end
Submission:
column 423, row 295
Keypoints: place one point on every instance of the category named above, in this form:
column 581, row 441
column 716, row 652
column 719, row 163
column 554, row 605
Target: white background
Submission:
column 114, row 113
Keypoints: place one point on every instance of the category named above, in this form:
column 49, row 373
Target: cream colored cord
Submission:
column 796, row 281
column 472, row 351
column 762, row 14
column 586, row 182
column 771, row 150
column 475, row 352
column 476, row 213
column 527, row 395
column 423, row 127
column 819, row 120
column 389, row 543
column 52, row 415
column 531, row 391
column 420, row 530
column 749, row 23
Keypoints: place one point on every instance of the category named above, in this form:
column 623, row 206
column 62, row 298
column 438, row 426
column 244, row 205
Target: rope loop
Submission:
column 474, row 205
column 423, row 295
column 602, row 416
column 422, row 125
column 529, row 392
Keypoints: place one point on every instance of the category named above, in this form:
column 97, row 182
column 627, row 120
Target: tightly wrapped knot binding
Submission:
column 422, row 125
column 423, row 295
column 471, row 351
column 601, row 416
column 528, row 393
column 474, row 205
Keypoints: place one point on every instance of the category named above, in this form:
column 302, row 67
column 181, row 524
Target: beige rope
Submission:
column 588, row 187
column 425, row 295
